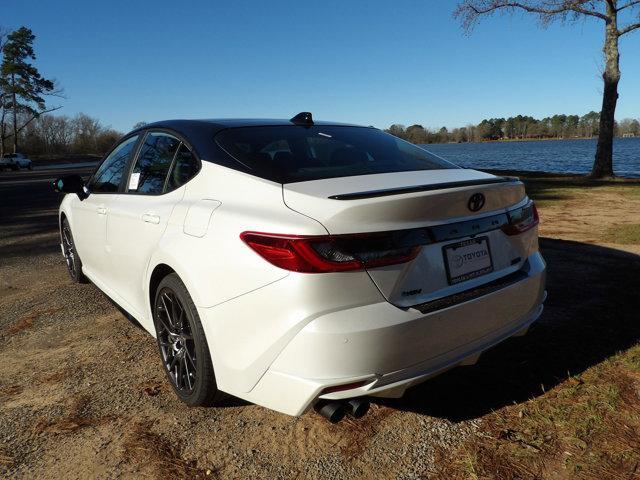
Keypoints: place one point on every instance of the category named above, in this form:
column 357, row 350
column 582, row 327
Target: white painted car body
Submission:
column 284, row 339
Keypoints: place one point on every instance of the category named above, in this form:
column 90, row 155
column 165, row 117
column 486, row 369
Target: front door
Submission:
column 90, row 216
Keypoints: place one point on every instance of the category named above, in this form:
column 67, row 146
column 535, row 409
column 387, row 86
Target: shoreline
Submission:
column 519, row 140
column 578, row 177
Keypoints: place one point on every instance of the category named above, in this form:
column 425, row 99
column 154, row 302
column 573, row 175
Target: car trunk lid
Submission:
column 401, row 200
column 437, row 203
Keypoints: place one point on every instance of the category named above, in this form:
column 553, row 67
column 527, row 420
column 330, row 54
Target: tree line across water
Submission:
column 521, row 127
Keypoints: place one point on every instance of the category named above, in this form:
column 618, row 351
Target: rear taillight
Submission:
column 329, row 253
column 522, row 219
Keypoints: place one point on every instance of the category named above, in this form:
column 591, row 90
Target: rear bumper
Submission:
column 390, row 349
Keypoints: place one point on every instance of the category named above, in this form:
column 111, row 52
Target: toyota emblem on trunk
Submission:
column 476, row 202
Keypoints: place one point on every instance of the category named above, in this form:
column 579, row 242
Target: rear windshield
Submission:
column 289, row 154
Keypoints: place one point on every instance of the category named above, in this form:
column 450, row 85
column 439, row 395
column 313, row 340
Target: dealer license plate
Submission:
column 467, row 259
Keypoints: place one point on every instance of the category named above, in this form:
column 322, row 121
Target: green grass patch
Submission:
column 624, row 234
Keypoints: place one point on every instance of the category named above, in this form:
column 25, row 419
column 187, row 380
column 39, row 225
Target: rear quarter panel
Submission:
column 212, row 260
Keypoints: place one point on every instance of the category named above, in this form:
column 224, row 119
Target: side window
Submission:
column 108, row 176
column 151, row 168
column 184, row 168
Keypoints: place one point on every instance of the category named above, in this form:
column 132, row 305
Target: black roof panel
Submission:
column 213, row 125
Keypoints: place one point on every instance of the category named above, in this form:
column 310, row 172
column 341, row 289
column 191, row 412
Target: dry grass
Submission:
column 161, row 458
column 10, row 390
column 75, row 419
column 357, row 434
column 587, row 428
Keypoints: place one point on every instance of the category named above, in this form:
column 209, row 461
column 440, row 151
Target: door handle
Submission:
column 102, row 210
column 151, row 218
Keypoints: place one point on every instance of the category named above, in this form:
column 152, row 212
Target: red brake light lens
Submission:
column 330, row 253
column 522, row 219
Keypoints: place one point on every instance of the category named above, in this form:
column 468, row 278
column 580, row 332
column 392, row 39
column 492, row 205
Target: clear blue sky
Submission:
column 368, row 62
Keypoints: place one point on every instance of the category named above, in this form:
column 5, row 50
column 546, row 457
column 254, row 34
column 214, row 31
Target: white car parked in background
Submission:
column 16, row 161
column 297, row 264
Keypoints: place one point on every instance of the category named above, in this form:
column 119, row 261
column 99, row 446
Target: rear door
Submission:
column 89, row 222
column 140, row 215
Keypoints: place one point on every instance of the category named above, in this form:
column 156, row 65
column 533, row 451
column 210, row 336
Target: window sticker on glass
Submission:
column 134, row 180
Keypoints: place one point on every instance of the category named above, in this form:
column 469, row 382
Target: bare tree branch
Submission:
column 627, row 5
column 33, row 117
column 628, row 28
column 470, row 10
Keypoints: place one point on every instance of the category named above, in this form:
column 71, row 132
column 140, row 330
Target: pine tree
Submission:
column 22, row 87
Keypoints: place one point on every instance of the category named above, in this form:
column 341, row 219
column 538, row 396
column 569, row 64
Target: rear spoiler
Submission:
column 422, row 188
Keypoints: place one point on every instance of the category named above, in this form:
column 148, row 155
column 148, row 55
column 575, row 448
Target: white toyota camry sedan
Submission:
column 300, row 264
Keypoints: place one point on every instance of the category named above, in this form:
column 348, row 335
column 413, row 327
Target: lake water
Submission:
column 557, row 156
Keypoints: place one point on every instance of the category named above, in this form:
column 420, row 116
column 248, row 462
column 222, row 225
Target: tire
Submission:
column 15, row 168
column 30, row 166
column 182, row 344
column 74, row 264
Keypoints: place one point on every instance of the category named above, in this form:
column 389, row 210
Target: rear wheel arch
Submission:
column 159, row 272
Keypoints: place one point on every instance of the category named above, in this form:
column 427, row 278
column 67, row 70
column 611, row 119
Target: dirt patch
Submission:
column 25, row 322
column 149, row 388
column 22, row 324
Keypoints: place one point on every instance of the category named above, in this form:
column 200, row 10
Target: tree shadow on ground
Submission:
column 592, row 312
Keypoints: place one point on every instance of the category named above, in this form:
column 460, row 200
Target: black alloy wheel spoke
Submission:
column 168, row 324
column 188, row 374
column 188, row 356
column 176, row 341
column 164, row 324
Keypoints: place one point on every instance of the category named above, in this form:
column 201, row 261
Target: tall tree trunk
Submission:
column 603, row 164
column 14, row 109
column 2, row 126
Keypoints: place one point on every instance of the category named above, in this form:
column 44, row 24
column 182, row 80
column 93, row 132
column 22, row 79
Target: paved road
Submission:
column 28, row 195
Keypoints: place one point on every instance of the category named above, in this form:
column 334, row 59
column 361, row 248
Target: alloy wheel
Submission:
column 176, row 341
column 68, row 249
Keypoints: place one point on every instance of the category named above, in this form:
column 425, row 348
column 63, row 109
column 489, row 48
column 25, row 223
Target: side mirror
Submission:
column 71, row 184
